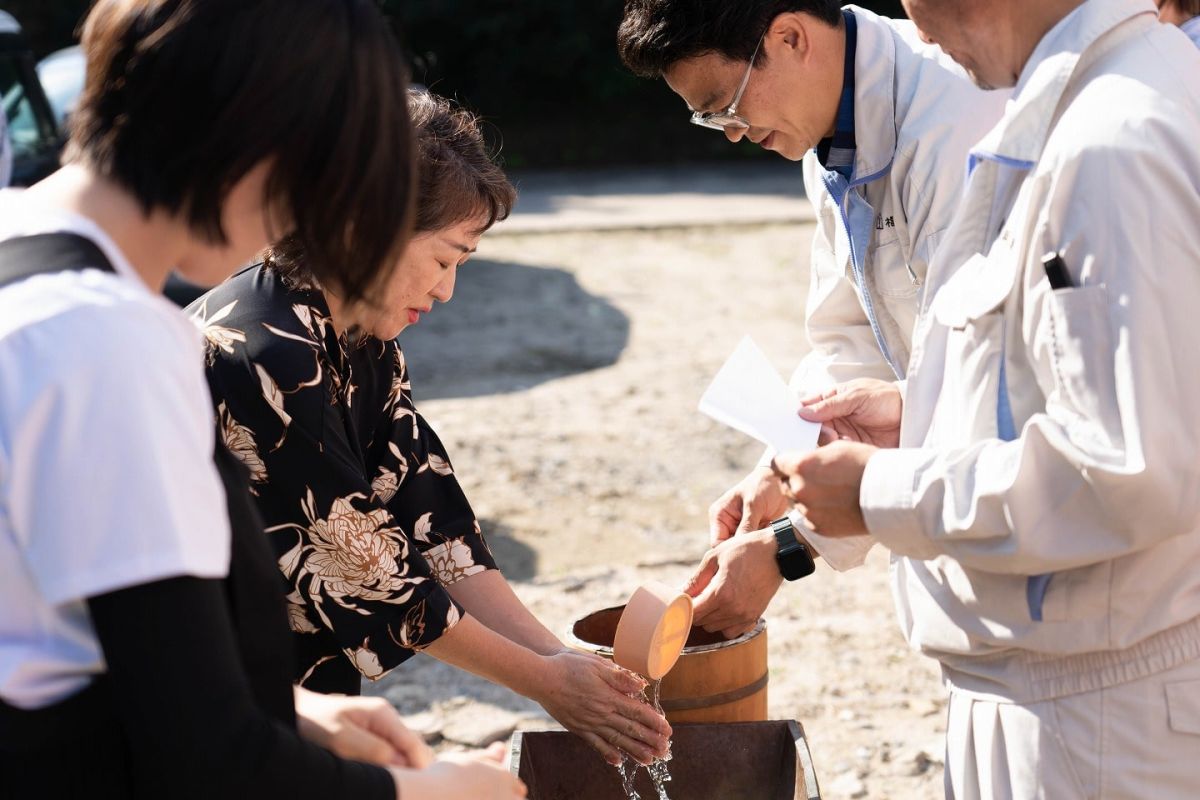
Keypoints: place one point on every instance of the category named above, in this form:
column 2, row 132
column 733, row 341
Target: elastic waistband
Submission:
column 1032, row 677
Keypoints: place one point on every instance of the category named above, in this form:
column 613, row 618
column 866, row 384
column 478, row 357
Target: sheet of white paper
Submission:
column 749, row 395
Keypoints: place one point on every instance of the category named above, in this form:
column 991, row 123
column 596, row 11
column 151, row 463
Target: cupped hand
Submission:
column 601, row 702
column 862, row 410
column 359, row 728
column 735, row 582
column 753, row 503
column 474, row 775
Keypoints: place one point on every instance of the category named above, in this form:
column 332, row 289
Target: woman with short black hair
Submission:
column 143, row 641
column 382, row 554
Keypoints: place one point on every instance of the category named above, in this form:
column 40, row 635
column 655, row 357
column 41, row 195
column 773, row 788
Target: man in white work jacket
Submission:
column 1043, row 508
column 883, row 122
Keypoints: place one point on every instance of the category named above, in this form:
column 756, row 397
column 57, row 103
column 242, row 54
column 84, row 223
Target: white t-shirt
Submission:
column 106, row 472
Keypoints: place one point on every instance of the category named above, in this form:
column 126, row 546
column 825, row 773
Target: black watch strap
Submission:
column 792, row 555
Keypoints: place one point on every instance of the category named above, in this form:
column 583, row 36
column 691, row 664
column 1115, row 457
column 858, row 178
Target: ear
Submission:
column 788, row 36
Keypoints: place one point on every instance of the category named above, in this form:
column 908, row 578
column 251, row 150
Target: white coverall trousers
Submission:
column 1135, row 741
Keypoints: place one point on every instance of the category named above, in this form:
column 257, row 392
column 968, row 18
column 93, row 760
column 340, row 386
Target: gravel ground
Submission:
column 564, row 378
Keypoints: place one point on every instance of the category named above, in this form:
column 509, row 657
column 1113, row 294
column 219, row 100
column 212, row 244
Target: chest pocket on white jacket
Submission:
column 970, row 306
column 894, row 279
column 1073, row 341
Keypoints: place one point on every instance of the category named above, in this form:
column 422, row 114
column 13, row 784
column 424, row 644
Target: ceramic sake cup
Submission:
column 653, row 630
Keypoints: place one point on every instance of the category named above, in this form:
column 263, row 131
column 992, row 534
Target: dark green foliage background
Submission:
column 546, row 75
column 550, row 79
column 48, row 24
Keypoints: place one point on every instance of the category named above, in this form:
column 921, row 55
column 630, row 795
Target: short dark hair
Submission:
column 184, row 97
column 655, row 34
column 1188, row 8
column 457, row 176
column 457, row 179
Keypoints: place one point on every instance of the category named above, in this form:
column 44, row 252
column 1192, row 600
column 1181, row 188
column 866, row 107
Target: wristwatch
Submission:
column 793, row 557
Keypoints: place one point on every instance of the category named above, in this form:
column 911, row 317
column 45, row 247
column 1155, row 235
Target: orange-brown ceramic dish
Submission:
column 653, row 630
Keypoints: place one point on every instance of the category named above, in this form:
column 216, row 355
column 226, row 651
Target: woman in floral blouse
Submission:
column 380, row 551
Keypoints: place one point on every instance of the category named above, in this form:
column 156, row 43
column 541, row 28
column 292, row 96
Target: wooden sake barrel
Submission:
column 715, row 680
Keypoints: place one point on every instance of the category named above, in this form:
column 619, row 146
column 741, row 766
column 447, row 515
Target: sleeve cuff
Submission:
column 842, row 554
column 888, row 502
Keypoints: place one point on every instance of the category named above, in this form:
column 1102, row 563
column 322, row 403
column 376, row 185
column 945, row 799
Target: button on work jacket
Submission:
column 1044, row 507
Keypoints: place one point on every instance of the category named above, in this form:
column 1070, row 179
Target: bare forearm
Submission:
column 476, row 648
column 489, row 598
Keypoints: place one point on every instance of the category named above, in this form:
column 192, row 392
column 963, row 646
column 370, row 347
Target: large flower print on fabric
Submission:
column 399, row 400
column 217, row 336
column 240, row 441
column 411, row 633
column 452, row 561
column 347, row 556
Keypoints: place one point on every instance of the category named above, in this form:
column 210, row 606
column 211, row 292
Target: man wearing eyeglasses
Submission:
column 883, row 123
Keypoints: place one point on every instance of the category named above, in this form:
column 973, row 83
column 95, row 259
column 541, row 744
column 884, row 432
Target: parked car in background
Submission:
column 37, row 99
column 61, row 74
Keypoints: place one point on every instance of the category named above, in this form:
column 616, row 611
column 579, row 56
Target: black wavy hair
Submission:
column 184, row 97
column 655, row 34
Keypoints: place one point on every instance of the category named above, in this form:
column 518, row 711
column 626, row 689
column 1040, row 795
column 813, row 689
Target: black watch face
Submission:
column 796, row 563
column 793, row 557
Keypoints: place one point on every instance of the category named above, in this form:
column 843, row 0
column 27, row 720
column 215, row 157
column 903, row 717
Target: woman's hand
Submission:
column 359, row 728
column 477, row 775
column 587, row 694
column 599, row 701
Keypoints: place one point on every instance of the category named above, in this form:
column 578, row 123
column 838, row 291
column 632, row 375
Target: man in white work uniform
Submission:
column 1043, row 508
column 883, row 123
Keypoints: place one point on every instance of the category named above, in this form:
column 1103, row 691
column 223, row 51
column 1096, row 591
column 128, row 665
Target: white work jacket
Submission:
column 1044, row 507
column 916, row 115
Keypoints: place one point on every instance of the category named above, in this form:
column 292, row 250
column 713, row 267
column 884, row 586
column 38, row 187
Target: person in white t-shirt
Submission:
column 144, row 648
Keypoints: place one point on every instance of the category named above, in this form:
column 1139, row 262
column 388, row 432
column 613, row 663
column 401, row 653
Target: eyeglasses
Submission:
column 729, row 119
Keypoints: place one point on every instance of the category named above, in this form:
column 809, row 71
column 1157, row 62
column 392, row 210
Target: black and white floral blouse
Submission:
column 356, row 491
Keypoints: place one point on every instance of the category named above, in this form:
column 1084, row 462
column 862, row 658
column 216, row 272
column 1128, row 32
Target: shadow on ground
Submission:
column 517, row 560
column 511, row 327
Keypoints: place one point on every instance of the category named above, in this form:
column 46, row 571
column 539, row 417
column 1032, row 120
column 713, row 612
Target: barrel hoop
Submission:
column 741, row 693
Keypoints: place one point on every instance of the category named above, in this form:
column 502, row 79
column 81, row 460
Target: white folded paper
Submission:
column 749, row 395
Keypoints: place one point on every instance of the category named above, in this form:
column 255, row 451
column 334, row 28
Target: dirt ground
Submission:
column 564, row 379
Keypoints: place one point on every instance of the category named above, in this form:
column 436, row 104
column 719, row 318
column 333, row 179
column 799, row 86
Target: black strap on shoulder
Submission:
column 45, row 253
